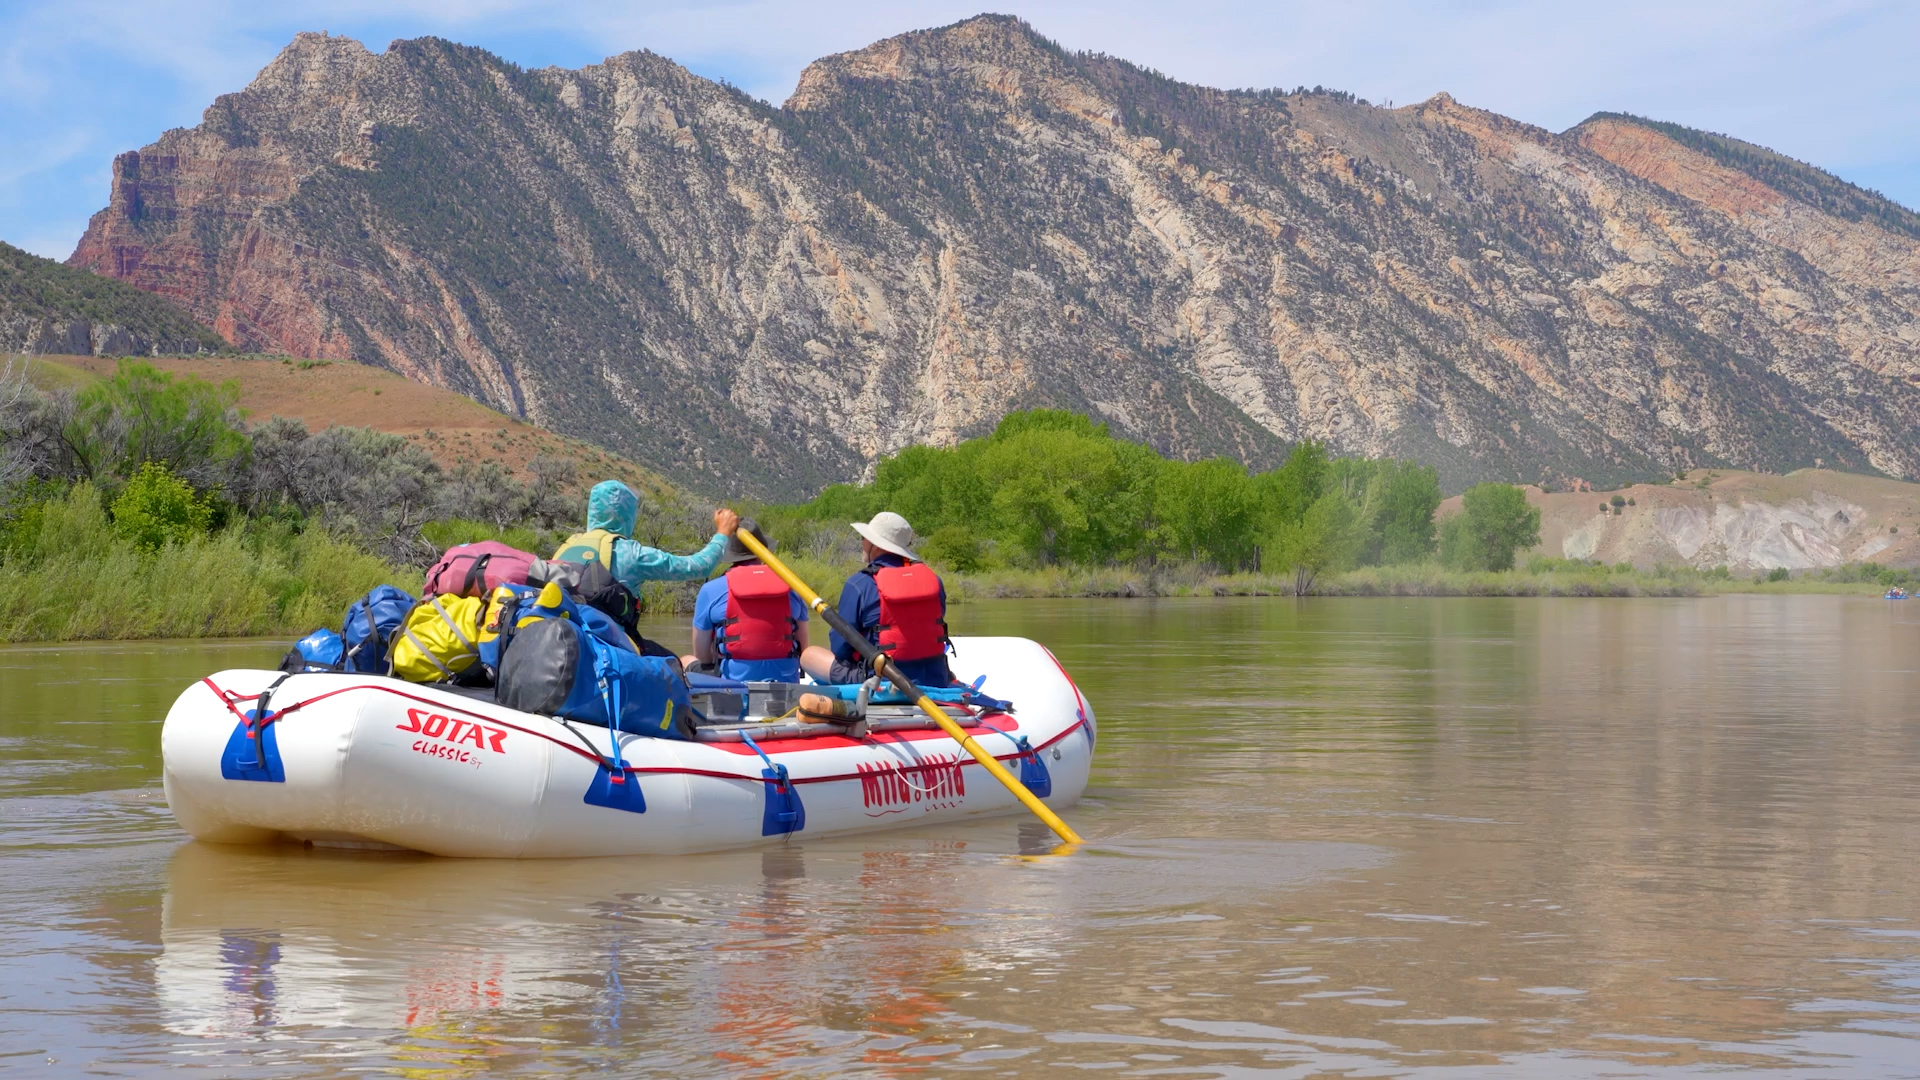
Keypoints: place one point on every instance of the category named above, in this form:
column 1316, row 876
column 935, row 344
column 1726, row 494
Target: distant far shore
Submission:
column 1553, row 577
column 1061, row 583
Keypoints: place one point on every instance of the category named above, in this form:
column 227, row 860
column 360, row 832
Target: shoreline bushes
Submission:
column 143, row 506
column 1055, row 489
column 67, row 572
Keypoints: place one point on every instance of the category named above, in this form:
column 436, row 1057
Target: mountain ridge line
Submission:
column 954, row 223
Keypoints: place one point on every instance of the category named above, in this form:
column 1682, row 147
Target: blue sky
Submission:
column 1836, row 83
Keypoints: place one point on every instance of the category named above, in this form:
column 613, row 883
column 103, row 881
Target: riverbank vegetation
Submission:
column 1538, row 577
column 1052, row 496
column 144, row 505
column 1050, row 489
column 1050, row 505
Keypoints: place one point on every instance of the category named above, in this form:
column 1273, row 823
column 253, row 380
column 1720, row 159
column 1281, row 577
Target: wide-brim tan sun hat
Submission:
column 888, row 531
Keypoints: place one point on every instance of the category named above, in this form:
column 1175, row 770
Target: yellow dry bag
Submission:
column 440, row 639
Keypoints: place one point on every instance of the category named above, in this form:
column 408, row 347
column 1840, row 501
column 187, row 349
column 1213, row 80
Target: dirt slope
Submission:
column 451, row 427
column 1747, row 521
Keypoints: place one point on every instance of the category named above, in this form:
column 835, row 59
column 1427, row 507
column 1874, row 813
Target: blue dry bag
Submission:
column 371, row 622
column 509, row 607
column 555, row 669
column 321, row 650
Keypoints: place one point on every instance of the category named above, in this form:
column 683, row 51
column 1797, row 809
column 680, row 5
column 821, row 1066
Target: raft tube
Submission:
column 347, row 760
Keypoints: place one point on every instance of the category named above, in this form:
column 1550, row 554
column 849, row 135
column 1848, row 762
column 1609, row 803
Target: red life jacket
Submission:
column 912, row 620
column 759, row 622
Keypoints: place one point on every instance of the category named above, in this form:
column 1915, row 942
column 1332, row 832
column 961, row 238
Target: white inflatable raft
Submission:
column 358, row 760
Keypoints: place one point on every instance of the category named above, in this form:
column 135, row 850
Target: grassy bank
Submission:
column 67, row 575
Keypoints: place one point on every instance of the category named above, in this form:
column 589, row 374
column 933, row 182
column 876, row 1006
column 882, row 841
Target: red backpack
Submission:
column 476, row 569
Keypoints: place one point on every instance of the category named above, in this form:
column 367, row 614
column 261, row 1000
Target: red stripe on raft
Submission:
column 1079, row 699
column 277, row 713
column 885, row 737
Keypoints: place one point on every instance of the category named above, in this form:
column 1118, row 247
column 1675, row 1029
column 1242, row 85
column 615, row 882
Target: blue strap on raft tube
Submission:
column 1033, row 771
column 253, row 750
column 784, row 814
column 613, row 786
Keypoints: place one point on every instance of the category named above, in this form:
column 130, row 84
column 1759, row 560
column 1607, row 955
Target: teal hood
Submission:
column 614, row 507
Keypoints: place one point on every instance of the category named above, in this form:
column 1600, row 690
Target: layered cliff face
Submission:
column 958, row 222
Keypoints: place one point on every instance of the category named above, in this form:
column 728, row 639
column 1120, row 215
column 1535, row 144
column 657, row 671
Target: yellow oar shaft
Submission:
column 1027, row 798
column 883, row 665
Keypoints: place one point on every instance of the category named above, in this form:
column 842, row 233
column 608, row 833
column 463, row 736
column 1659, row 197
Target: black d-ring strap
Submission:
column 260, row 709
column 476, row 577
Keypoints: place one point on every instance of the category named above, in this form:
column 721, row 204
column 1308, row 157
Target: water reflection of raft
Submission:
column 356, row 760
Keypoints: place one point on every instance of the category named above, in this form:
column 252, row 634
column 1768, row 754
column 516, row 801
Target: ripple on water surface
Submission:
column 1428, row 838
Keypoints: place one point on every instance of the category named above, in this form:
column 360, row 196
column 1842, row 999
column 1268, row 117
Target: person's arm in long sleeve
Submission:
column 635, row 563
column 851, row 597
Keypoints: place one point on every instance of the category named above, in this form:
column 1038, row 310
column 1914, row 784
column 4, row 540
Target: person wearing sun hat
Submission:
column 747, row 625
column 897, row 602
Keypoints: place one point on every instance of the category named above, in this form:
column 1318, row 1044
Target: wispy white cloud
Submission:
column 1832, row 82
column 40, row 156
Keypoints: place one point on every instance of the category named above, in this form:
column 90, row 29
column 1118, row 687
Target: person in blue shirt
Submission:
column 747, row 625
column 897, row 602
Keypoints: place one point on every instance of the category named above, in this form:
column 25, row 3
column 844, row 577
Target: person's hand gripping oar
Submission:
column 883, row 666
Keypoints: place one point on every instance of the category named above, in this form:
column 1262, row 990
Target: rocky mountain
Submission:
column 46, row 307
column 958, row 222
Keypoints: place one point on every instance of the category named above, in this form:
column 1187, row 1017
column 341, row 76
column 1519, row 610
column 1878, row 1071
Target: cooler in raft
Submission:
column 359, row 760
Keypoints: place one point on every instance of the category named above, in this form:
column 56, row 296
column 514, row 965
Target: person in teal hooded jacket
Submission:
column 612, row 511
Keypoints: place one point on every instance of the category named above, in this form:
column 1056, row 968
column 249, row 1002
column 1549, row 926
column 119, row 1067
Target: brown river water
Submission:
column 1428, row 838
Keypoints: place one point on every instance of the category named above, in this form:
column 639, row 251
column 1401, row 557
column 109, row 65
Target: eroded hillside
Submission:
column 46, row 307
column 958, row 222
column 1745, row 521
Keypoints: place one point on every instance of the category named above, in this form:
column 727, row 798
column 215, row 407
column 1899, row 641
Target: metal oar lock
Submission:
column 884, row 667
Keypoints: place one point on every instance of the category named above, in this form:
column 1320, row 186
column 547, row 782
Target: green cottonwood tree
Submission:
column 1289, row 490
column 1063, row 497
column 1207, row 510
column 1324, row 540
column 1494, row 522
column 1400, row 503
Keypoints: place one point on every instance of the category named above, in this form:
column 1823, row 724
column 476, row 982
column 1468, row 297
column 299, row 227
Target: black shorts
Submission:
column 650, row 647
column 653, row 648
column 849, row 672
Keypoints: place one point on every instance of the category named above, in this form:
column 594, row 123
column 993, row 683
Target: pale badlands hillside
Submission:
column 1742, row 520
